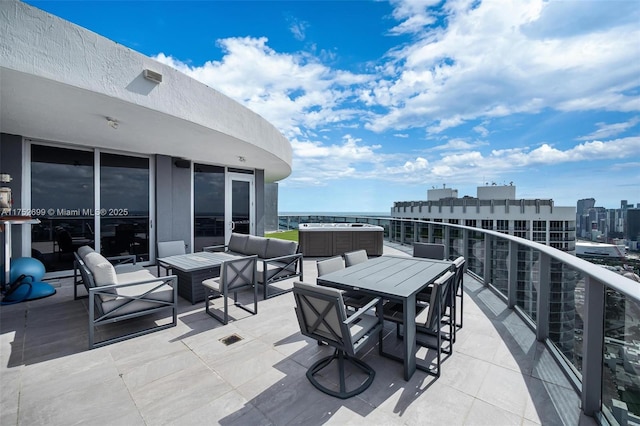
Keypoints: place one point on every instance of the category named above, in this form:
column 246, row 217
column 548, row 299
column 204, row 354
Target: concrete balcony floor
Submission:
column 498, row 374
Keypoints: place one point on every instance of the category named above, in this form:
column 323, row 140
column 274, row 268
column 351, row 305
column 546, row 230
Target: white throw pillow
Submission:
column 103, row 272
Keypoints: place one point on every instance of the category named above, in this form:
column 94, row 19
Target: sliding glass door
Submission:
column 240, row 203
column 89, row 198
column 124, row 206
column 62, row 197
column 208, row 206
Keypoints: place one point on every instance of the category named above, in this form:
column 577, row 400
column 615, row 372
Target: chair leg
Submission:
column 208, row 297
column 459, row 325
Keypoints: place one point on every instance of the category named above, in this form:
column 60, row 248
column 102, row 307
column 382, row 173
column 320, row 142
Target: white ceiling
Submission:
column 39, row 108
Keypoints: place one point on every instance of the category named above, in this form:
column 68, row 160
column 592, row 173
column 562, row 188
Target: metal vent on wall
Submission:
column 156, row 77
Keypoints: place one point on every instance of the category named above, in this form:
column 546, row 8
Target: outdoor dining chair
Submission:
column 429, row 324
column 235, row 275
column 354, row 257
column 428, row 251
column 169, row 248
column 352, row 299
column 322, row 316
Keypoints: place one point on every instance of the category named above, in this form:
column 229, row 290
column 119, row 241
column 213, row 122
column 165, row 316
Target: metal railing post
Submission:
column 486, row 270
column 446, row 240
column 512, row 283
column 542, row 301
column 465, row 244
column 592, row 349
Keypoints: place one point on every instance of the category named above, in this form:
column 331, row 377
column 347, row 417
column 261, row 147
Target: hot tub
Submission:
column 333, row 239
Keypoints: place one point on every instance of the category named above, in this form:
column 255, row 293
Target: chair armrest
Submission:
column 127, row 258
column 171, row 280
column 362, row 310
column 213, row 248
column 281, row 258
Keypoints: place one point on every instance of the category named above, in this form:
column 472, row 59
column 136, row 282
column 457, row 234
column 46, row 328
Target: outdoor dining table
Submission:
column 193, row 268
column 396, row 278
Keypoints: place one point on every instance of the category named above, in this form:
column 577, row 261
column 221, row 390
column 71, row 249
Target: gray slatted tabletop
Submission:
column 194, row 261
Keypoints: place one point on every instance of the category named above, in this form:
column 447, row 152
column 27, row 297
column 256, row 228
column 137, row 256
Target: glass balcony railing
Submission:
column 587, row 315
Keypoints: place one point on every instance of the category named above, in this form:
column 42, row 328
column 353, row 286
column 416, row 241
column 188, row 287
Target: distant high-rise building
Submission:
column 633, row 225
column 583, row 223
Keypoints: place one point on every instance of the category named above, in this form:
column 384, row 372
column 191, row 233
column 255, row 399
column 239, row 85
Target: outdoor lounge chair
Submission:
column 322, row 316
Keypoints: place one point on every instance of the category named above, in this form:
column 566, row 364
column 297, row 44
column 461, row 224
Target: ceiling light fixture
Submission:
column 112, row 122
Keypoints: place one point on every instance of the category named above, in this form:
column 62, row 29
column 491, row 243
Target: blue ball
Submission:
column 32, row 268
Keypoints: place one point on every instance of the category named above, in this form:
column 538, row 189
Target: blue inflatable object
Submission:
column 32, row 268
column 26, row 274
column 29, row 291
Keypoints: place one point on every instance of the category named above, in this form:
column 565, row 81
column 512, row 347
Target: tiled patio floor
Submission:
column 498, row 375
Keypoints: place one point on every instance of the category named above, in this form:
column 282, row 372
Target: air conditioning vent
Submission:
column 156, row 77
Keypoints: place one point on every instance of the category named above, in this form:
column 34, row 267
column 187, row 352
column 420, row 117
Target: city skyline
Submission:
column 382, row 101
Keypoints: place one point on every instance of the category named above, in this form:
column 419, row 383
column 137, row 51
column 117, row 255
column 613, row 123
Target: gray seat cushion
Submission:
column 213, row 284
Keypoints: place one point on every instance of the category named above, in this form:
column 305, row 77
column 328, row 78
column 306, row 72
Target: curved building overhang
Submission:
column 63, row 83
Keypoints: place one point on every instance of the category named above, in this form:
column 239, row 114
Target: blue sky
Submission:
column 382, row 100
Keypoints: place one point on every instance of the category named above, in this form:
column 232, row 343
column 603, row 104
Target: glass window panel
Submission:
column 124, row 205
column 208, row 195
column 240, row 208
column 62, row 194
column 621, row 371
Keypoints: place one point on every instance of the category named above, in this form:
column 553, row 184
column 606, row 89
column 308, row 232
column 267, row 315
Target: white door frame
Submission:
column 228, row 214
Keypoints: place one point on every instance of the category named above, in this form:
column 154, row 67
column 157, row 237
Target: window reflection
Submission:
column 124, row 205
column 62, row 190
column 208, row 193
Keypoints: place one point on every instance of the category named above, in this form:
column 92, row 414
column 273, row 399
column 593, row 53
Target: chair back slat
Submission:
column 171, row 248
column 239, row 273
column 332, row 264
column 439, row 299
column 321, row 314
column 428, row 251
column 355, row 257
column 460, row 263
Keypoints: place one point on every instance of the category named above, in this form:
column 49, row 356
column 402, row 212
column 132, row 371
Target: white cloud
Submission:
column 608, row 130
column 413, row 14
column 467, row 64
column 467, row 166
column 289, row 90
column 298, row 29
column 456, row 145
column 493, row 59
column 482, row 130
